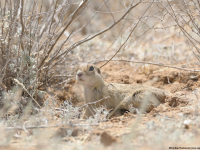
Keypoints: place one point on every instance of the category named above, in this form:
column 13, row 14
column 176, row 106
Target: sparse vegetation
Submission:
column 153, row 42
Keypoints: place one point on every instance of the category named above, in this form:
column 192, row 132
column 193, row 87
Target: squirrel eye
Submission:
column 91, row 68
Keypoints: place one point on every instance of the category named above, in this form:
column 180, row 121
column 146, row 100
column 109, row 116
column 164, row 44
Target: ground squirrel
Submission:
column 120, row 96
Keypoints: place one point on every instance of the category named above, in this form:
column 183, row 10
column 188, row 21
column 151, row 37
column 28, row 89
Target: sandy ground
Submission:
column 172, row 124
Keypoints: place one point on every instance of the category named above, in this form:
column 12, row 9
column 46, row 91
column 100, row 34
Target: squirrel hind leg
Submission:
column 146, row 100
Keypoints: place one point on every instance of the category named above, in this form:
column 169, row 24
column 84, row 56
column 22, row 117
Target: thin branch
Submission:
column 26, row 91
column 151, row 63
column 109, row 10
column 99, row 33
column 58, row 51
column 59, row 76
column 21, row 19
column 90, row 19
column 45, row 13
column 187, row 35
column 51, row 48
column 126, row 38
column 50, row 126
column 93, row 103
column 53, row 16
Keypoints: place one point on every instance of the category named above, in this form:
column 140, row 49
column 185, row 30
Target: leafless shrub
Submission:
column 39, row 39
column 185, row 15
column 42, row 41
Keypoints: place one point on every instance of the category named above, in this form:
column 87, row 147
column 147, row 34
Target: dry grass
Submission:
column 41, row 43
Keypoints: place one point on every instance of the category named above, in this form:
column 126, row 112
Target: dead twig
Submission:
column 72, row 18
column 27, row 91
column 126, row 38
column 97, row 34
column 50, row 126
column 93, row 103
column 57, row 76
column 186, row 33
column 151, row 63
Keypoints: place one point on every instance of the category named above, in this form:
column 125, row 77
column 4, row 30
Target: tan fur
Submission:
column 121, row 96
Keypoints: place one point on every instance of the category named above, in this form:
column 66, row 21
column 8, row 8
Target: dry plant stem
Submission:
column 99, row 33
column 26, row 91
column 57, row 28
column 37, row 74
column 51, row 48
column 109, row 10
column 58, row 51
column 53, row 126
column 94, row 103
column 191, row 17
column 61, row 58
column 9, row 41
column 52, row 96
column 22, row 24
column 185, row 23
column 21, row 36
column 115, row 39
column 195, row 54
column 127, row 38
column 189, row 37
column 57, row 76
column 198, row 3
column 53, row 16
column 4, row 87
column 9, row 33
column 90, row 18
column 43, row 13
column 113, row 111
column 151, row 63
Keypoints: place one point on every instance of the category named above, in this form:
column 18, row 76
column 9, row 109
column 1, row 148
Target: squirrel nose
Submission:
column 79, row 74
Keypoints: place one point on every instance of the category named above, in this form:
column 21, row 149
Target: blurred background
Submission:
column 43, row 41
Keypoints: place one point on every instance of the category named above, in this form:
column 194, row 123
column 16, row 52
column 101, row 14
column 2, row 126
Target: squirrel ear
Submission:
column 98, row 70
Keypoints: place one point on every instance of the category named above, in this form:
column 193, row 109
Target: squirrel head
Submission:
column 89, row 75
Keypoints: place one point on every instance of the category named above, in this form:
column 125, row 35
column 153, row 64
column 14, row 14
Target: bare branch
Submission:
column 127, row 38
column 99, row 33
column 94, row 103
column 151, row 63
column 27, row 91
column 51, row 48
column 51, row 126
